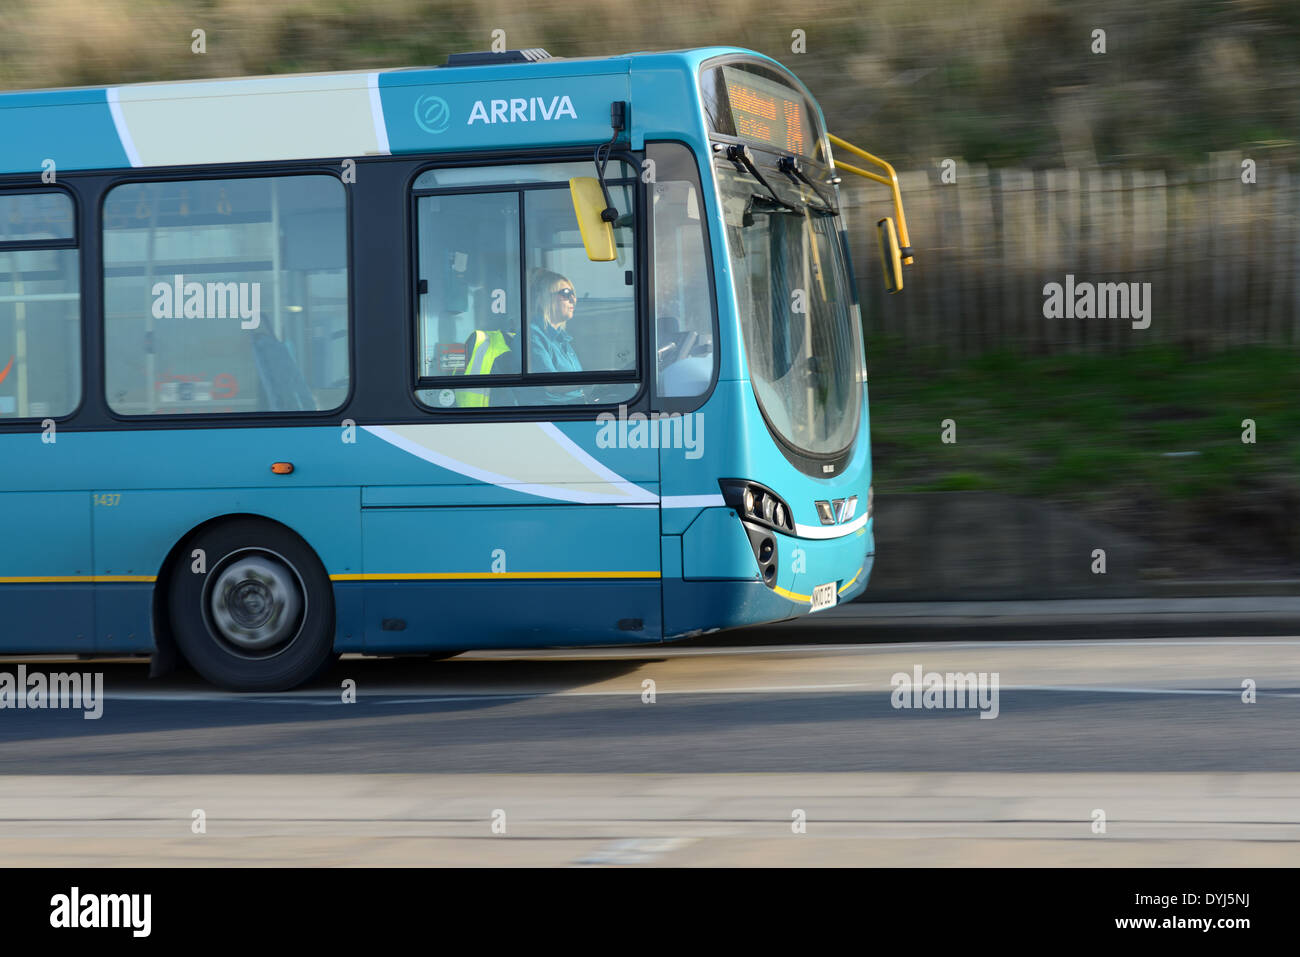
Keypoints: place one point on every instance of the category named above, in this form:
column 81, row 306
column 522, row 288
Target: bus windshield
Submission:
column 796, row 309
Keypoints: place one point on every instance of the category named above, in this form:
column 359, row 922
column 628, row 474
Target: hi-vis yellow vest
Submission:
column 488, row 347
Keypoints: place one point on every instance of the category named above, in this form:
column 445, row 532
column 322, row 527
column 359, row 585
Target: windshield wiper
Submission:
column 824, row 210
column 791, row 167
column 766, row 204
column 741, row 156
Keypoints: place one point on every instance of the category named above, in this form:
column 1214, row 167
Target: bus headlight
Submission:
column 762, row 514
column 757, row 503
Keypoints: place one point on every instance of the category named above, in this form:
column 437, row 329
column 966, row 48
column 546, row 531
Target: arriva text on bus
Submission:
column 522, row 110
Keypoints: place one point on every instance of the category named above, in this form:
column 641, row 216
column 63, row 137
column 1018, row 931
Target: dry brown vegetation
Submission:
column 1004, row 82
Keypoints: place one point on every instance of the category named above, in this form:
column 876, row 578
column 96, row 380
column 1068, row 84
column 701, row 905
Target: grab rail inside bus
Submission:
column 890, row 180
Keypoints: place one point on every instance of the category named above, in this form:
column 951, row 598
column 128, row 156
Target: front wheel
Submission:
column 251, row 607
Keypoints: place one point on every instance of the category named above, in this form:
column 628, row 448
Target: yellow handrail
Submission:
column 891, row 181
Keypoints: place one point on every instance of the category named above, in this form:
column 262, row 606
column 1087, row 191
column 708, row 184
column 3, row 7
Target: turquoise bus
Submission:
column 514, row 352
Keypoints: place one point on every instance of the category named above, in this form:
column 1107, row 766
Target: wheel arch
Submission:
column 167, row 653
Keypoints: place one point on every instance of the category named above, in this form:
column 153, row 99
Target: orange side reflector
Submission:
column 281, row 468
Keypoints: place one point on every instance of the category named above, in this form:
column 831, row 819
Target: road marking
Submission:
column 484, row 576
column 654, row 651
column 1235, row 692
column 669, row 651
column 433, row 696
column 633, row 851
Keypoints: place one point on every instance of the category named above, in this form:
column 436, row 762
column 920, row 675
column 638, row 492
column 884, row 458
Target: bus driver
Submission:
column 550, row 346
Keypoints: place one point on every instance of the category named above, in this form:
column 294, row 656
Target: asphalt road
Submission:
column 577, row 755
column 1159, row 706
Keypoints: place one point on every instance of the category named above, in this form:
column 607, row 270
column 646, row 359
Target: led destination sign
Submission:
column 760, row 109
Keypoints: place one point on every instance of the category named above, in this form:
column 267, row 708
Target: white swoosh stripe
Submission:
column 596, row 466
column 692, row 501
column 628, row 493
column 830, row 531
column 624, row 492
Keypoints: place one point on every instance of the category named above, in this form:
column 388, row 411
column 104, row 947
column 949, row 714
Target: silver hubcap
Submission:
column 256, row 603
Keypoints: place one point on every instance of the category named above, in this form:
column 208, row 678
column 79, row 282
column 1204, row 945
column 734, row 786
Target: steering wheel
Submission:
column 677, row 349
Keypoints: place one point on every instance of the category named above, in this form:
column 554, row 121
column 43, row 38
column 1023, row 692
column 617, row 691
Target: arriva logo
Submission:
column 432, row 114
column 519, row 110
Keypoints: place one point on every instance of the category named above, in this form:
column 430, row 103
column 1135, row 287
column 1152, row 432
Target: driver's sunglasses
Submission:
column 568, row 294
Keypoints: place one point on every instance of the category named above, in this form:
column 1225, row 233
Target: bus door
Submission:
column 693, row 439
column 46, row 598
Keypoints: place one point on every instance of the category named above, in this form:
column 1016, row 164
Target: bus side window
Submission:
column 40, row 307
column 226, row 296
column 602, row 320
column 469, row 301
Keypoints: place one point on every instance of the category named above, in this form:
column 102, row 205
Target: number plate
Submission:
column 823, row 596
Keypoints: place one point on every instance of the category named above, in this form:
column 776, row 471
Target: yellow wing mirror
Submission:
column 597, row 233
column 895, row 252
column 891, row 256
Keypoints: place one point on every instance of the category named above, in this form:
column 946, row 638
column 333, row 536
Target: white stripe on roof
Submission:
column 240, row 121
column 119, row 122
column 377, row 114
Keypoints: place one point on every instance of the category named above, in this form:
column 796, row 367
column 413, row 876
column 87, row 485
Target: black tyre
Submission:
column 260, row 617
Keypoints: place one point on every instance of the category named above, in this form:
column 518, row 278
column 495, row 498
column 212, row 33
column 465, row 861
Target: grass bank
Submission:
column 1151, row 440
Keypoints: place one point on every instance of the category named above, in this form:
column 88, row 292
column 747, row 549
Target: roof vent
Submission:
column 485, row 58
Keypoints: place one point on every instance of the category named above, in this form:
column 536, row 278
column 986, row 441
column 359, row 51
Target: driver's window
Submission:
column 506, row 291
column 581, row 314
column 683, row 298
